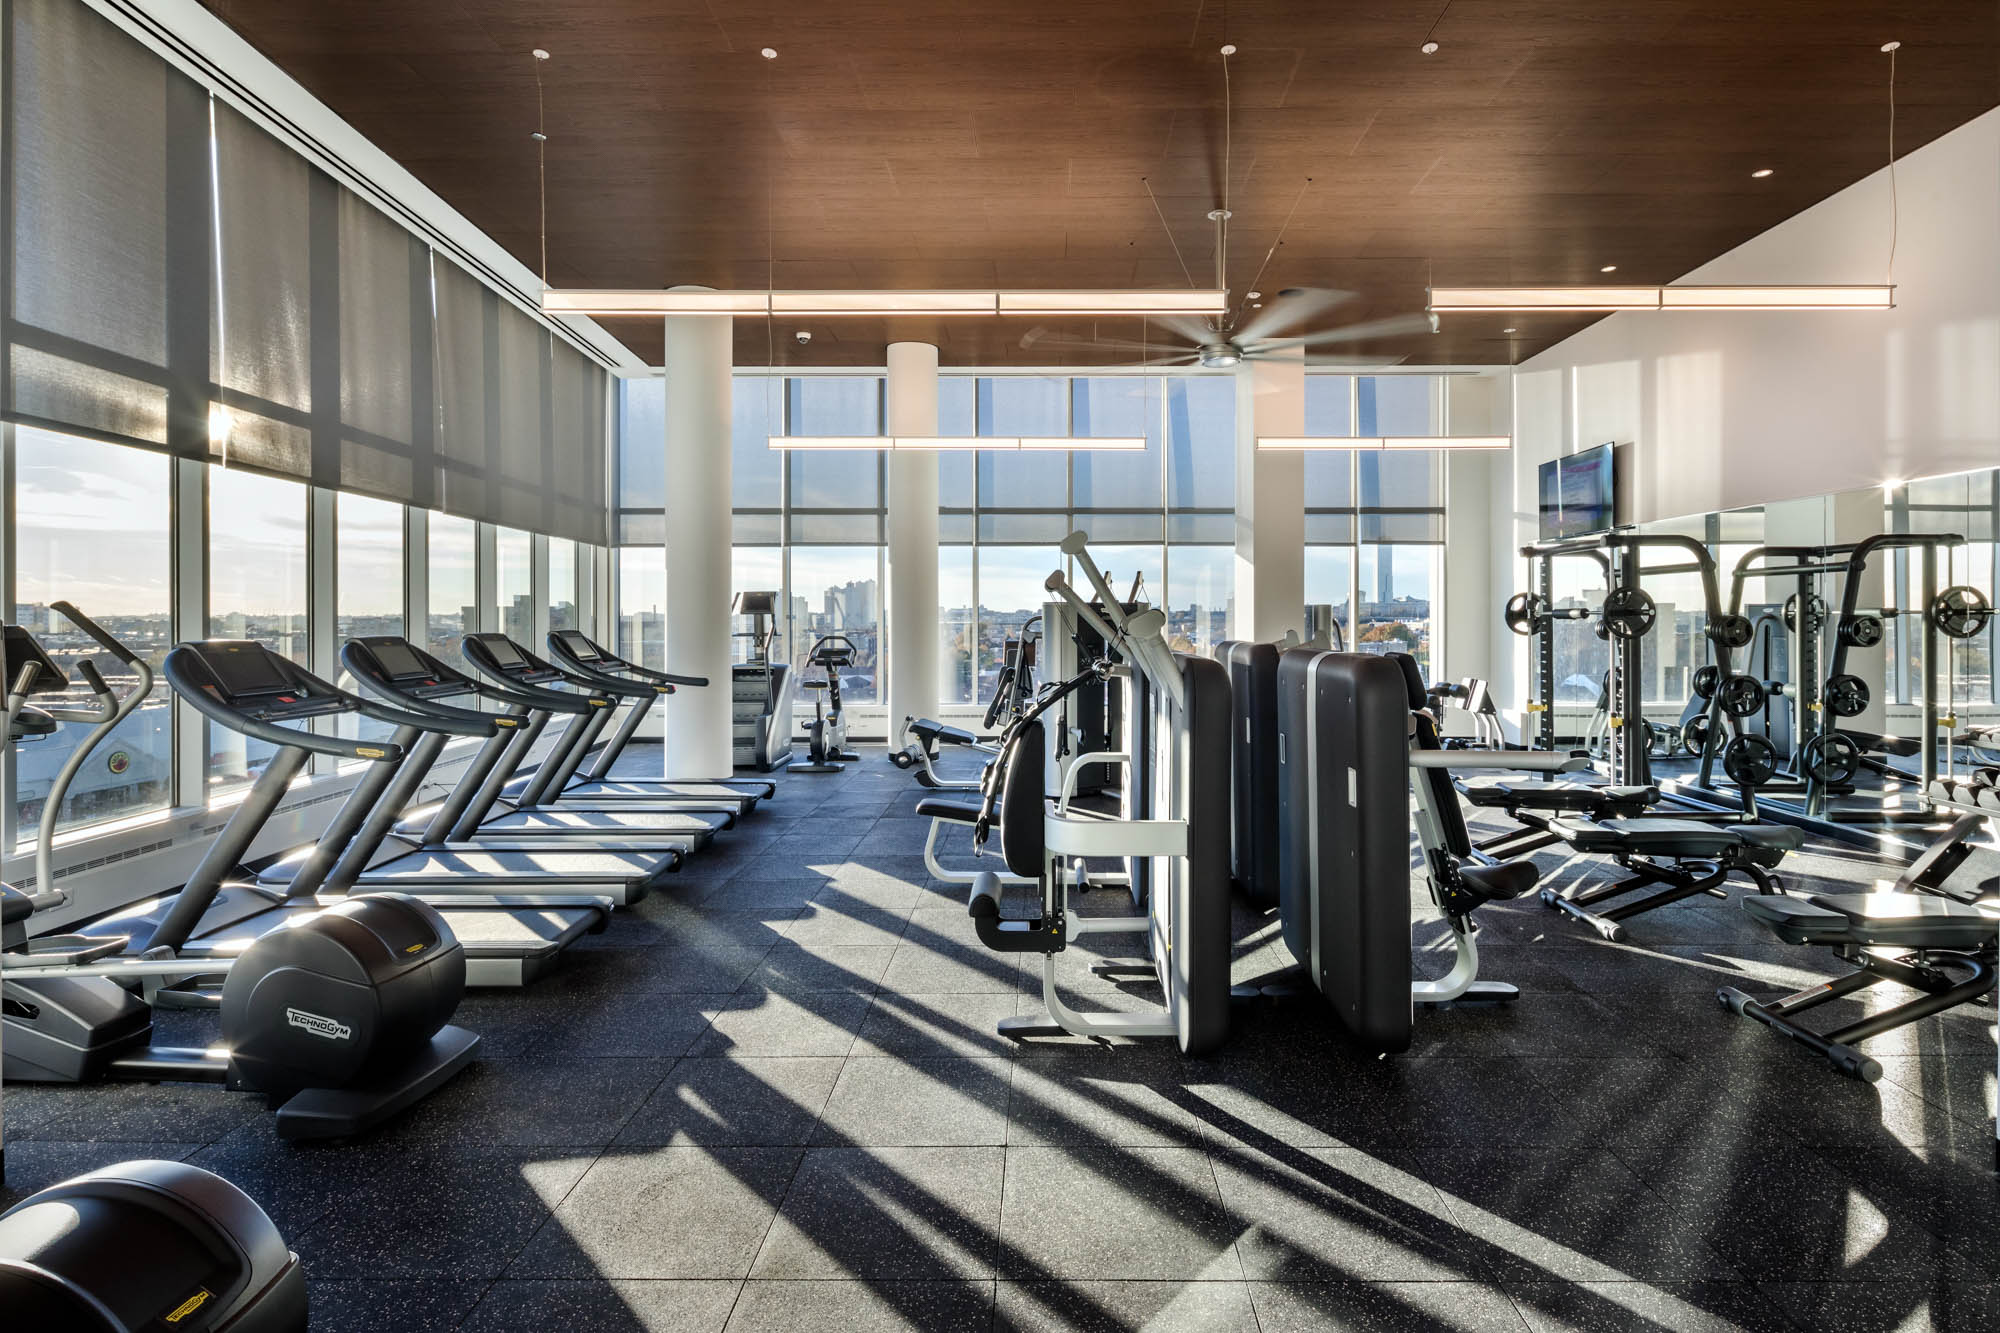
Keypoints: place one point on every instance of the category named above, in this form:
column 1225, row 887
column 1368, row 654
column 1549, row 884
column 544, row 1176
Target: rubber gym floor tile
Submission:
column 716, row 928
column 755, row 892
column 932, row 1026
column 863, row 1307
column 887, row 1213
column 895, row 1102
column 1460, row 1101
column 1958, row 1082
column 508, row 1022
column 1337, row 1214
column 663, row 1213
column 1133, row 1098
column 1270, row 1104
column 735, row 1101
column 452, row 1215
column 772, row 1023
column 34, row 1165
column 1547, row 1024
column 687, row 1305
column 940, row 955
column 660, row 1024
column 1641, row 1103
column 1115, row 1213
column 792, row 967
column 141, row 1113
column 627, row 930
column 1615, row 1307
column 1936, row 1307
column 531, row 1103
column 1954, row 1198
column 1383, row 1307
column 1113, row 1307
column 1772, row 1207
column 296, row 1183
column 364, row 1305
column 849, row 923
column 1580, row 1215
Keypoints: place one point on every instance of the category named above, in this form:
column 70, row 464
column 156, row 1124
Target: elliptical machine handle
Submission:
column 97, row 632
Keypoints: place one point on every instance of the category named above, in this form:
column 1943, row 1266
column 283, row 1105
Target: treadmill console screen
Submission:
column 505, row 654
column 399, row 661
column 579, row 647
column 246, row 670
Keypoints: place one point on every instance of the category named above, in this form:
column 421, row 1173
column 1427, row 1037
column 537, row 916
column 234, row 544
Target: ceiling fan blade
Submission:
column 1190, row 328
column 1356, row 362
column 1396, row 326
column 1292, row 307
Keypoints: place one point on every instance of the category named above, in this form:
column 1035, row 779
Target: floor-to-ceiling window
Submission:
column 834, row 513
column 563, row 597
column 368, row 584
column 257, row 590
column 514, row 585
column 452, row 573
column 91, row 527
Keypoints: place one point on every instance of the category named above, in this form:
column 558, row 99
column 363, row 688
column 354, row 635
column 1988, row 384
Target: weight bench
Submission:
column 1686, row 855
column 922, row 738
column 1534, row 804
column 1935, row 937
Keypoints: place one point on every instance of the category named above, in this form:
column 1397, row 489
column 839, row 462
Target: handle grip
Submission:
column 96, row 631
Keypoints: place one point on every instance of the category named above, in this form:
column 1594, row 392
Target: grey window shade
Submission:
column 517, row 428
column 578, row 446
column 92, row 203
column 385, row 349
column 461, row 325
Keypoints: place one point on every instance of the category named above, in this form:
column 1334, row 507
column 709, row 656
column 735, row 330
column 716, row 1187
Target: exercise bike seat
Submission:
column 1571, row 797
column 934, row 733
column 1677, row 837
column 1876, row 920
column 943, row 807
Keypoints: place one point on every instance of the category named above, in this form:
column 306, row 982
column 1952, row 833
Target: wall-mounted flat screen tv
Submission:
column 1576, row 496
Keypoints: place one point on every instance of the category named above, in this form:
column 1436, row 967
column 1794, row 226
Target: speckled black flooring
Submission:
column 772, row 1098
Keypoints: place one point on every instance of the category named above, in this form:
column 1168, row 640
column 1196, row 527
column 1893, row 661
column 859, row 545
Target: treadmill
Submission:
column 395, row 670
column 244, row 687
column 505, row 662
column 583, row 657
column 361, row 848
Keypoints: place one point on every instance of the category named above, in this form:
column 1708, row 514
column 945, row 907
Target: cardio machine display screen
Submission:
column 579, row 647
column 505, row 654
column 399, row 660
column 248, row 671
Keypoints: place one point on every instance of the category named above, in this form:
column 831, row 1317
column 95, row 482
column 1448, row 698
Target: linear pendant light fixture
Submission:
column 693, row 301
column 1289, row 443
column 1450, row 300
column 955, row 443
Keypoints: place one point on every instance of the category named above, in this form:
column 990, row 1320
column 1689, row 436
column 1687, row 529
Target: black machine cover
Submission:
column 1344, row 835
column 1253, row 763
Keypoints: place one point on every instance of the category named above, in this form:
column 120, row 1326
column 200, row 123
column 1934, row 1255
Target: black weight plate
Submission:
column 1847, row 696
column 1706, row 678
column 1741, row 696
column 1524, row 614
column 1861, row 631
column 1694, row 733
column 1831, row 758
column 1750, row 761
column 1731, row 631
column 1628, row 613
column 1960, row 612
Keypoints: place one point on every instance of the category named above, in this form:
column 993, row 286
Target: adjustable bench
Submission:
column 1936, row 937
column 1689, row 856
column 1532, row 804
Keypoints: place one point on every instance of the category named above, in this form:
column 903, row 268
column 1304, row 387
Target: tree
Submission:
column 1390, row 631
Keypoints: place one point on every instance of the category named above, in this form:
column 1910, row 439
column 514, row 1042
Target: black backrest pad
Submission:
column 1413, row 679
column 1344, row 836
column 1024, row 800
column 1201, row 947
column 1253, row 683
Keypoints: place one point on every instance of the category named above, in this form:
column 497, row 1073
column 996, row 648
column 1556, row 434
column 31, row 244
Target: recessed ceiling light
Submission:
column 1429, row 48
column 1255, row 296
column 539, row 54
column 1229, row 48
column 1760, row 173
column 768, row 53
column 1510, row 330
column 1609, row 268
column 1890, row 46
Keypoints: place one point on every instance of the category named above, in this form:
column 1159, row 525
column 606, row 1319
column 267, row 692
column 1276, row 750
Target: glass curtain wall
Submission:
column 257, row 589
column 452, row 564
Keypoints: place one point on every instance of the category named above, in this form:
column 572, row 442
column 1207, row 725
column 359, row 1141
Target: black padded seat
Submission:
column 1493, row 884
column 1576, row 797
column 1676, row 837
column 1878, row 920
column 943, row 807
column 936, row 732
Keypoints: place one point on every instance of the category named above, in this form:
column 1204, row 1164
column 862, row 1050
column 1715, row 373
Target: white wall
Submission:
column 1741, row 408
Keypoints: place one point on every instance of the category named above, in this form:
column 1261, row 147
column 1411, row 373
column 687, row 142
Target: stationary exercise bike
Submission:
column 826, row 734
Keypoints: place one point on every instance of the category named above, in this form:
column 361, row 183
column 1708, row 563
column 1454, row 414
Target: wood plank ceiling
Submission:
column 896, row 143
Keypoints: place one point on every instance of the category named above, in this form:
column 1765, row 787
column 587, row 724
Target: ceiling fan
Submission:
column 1246, row 332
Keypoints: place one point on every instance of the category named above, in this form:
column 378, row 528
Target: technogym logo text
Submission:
column 318, row 1024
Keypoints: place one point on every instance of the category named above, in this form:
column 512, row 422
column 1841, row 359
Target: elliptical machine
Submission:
column 826, row 734
column 340, row 1019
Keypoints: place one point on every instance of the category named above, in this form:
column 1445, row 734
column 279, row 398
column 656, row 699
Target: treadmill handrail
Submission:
column 183, row 664
column 555, row 701
column 605, row 687
column 626, row 664
column 424, row 714
column 624, row 686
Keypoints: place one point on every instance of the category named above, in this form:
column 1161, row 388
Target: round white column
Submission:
column 911, row 625
column 698, row 363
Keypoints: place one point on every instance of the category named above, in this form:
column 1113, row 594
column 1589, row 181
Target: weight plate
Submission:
column 1525, row 614
column 1694, row 733
column 1831, row 758
column 1846, row 696
column 1706, row 678
column 1861, row 631
column 1816, row 610
column 1740, row 696
column 1750, row 761
column 1731, row 631
column 1960, row 612
column 1628, row 613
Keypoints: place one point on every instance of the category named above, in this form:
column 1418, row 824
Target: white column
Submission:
column 910, row 628
column 698, row 357
column 1270, row 500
